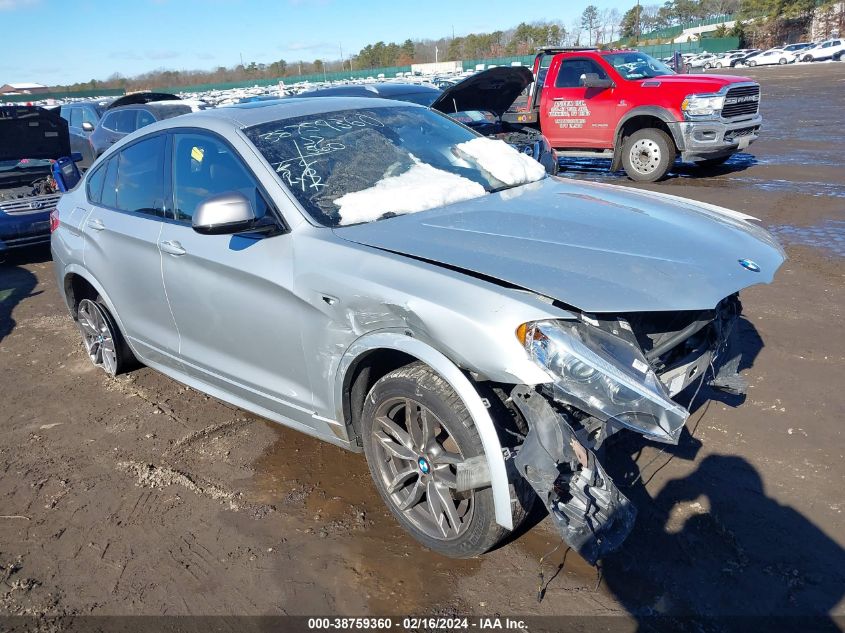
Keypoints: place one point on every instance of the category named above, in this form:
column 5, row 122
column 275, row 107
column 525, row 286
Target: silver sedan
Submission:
column 379, row 276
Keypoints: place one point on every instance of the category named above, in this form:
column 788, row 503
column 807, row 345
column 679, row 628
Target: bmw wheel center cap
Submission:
column 425, row 468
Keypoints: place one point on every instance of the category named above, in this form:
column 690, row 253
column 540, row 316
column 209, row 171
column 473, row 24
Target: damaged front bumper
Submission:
column 558, row 457
column 588, row 510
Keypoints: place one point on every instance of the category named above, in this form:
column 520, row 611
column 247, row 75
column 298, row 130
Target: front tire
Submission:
column 648, row 154
column 101, row 337
column 752, row 63
column 782, row 61
column 416, row 429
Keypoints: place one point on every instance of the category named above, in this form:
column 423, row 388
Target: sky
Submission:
column 56, row 42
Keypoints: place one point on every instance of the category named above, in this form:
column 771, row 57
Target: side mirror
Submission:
column 224, row 214
column 87, row 126
column 592, row 80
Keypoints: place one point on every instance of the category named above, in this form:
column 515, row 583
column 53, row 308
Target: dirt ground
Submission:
column 140, row 496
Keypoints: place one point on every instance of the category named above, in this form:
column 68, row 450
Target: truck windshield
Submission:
column 637, row 65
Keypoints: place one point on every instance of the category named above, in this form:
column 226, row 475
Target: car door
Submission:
column 232, row 296
column 121, row 246
column 577, row 116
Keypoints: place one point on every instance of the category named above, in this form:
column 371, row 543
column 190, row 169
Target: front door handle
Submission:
column 96, row 224
column 172, row 248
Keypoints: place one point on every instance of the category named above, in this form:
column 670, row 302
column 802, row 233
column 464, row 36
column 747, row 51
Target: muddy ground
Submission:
column 140, row 496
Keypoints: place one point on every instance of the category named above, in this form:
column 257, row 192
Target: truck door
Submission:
column 573, row 115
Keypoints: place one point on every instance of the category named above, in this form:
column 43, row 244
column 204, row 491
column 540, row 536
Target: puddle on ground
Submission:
column 828, row 235
column 329, row 490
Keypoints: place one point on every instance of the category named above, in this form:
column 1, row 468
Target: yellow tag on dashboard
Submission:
column 196, row 154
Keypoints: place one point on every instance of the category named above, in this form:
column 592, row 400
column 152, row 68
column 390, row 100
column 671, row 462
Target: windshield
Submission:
column 354, row 166
column 420, row 98
column 637, row 65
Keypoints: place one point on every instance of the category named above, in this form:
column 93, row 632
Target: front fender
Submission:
column 401, row 342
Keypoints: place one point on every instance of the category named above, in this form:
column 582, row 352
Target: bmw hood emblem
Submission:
column 748, row 264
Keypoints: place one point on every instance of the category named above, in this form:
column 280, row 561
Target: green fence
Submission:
column 711, row 45
column 675, row 31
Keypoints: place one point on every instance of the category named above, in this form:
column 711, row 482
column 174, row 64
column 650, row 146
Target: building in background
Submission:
column 23, row 89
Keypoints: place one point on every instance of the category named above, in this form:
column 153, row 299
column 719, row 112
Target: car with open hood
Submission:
column 374, row 274
column 478, row 101
column 36, row 166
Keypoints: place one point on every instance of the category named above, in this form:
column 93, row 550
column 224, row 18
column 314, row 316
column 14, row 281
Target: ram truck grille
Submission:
column 741, row 101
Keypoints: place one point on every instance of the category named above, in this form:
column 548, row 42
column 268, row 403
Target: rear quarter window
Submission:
column 140, row 177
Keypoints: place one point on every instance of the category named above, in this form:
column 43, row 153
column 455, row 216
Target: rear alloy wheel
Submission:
column 647, row 155
column 416, row 431
column 102, row 339
column 782, row 61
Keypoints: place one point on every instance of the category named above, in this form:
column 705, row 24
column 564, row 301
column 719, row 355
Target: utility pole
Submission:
column 638, row 23
column 435, row 54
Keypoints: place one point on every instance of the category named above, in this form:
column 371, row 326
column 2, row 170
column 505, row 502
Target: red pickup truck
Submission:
column 633, row 109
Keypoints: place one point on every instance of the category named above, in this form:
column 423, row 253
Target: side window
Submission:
column 88, row 116
column 76, row 117
column 94, row 185
column 140, row 177
column 125, row 121
column 144, row 118
column 110, row 120
column 204, row 167
column 572, row 70
column 109, row 196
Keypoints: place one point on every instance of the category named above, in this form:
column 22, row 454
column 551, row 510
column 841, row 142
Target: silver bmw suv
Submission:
column 379, row 276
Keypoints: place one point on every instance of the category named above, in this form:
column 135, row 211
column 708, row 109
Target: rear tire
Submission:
column 648, row 154
column 415, row 427
column 751, row 63
column 782, row 61
column 101, row 337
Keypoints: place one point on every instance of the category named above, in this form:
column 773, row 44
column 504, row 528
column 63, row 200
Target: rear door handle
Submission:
column 96, row 224
column 172, row 248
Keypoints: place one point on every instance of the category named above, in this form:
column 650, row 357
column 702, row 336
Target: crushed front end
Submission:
column 610, row 373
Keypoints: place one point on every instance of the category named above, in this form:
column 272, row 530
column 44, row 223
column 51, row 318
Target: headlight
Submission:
column 702, row 106
column 606, row 376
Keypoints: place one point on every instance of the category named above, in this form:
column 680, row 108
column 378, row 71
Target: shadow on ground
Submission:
column 17, row 284
column 593, row 168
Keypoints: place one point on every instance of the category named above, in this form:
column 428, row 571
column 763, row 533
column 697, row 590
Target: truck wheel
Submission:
column 647, row 155
column 416, row 430
column 101, row 337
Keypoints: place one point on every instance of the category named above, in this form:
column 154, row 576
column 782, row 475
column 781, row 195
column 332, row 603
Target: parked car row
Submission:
column 94, row 125
column 780, row 55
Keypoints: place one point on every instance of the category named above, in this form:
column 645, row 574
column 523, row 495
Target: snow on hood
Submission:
column 502, row 161
column 421, row 187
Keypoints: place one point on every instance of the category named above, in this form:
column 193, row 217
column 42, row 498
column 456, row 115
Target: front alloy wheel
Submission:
column 416, row 458
column 416, row 430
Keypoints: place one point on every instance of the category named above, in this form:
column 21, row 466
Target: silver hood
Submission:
column 598, row 248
